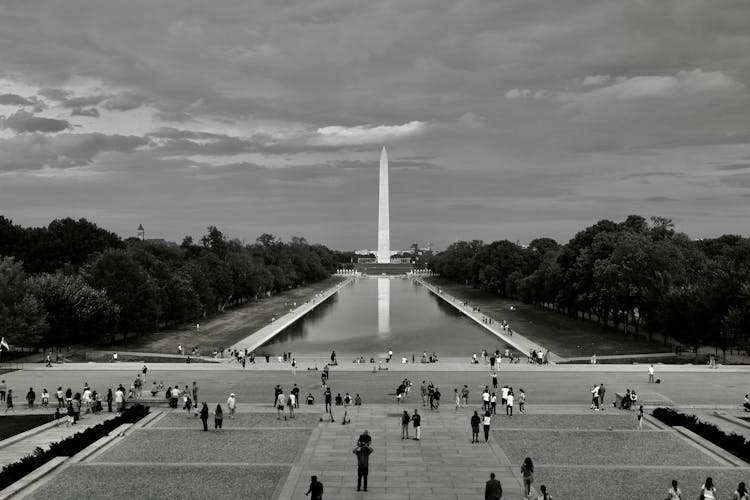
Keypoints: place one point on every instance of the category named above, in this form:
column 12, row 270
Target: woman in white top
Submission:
column 486, row 422
column 674, row 492
column 740, row 493
column 708, row 492
column 509, row 407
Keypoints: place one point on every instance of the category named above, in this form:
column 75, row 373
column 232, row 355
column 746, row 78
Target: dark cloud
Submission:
column 92, row 112
column 15, row 100
column 55, row 94
column 23, row 121
column 35, row 151
column 733, row 166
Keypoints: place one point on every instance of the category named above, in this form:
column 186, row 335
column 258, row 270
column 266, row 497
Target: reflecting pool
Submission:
column 373, row 315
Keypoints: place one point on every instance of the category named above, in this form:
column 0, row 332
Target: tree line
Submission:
column 74, row 282
column 633, row 275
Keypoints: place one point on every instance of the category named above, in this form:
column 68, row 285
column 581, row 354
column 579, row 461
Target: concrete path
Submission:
column 257, row 339
column 16, row 451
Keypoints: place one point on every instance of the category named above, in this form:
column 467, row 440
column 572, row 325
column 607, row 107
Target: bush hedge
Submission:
column 733, row 443
column 68, row 446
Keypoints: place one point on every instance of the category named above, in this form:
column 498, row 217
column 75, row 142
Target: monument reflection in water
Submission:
column 373, row 315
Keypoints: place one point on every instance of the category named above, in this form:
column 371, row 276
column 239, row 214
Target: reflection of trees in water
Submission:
column 445, row 307
column 297, row 330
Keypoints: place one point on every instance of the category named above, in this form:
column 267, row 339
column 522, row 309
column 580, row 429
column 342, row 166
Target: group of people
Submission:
column 708, row 491
column 489, row 400
column 598, row 392
column 218, row 413
column 431, row 393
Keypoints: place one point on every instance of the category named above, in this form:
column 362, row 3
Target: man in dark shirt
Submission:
column 493, row 490
column 362, row 451
column 295, row 391
column 316, row 488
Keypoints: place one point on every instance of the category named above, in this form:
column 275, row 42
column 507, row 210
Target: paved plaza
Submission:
column 578, row 453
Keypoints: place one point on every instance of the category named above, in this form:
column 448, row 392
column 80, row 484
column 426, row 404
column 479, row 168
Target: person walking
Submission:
column 280, row 404
column 527, row 471
column 363, row 451
column 405, row 420
column 204, row 416
column 640, row 418
column 674, row 492
column 218, row 418
column 494, row 380
column 457, row 398
column 509, row 406
column 475, row 421
column 315, row 489
column 4, row 389
column 423, row 392
column 231, row 404
column 487, row 421
column 708, row 492
column 328, row 400
column 195, row 394
column 486, row 399
column 493, row 403
column 465, row 396
column 119, row 399
column 651, row 374
column 9, row 401
column 521, row 401
column 740, row 493
column 493, row 490
column 294, row 366
column 417, row 421
column 60, row 397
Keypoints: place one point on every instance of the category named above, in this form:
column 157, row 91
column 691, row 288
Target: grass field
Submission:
column 564, row 336
column 16, row 424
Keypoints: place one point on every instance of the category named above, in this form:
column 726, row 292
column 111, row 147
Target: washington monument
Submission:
column 384, row 225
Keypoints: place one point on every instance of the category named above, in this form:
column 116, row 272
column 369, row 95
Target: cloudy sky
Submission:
column 503, row 118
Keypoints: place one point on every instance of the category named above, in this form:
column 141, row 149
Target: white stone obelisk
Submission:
column 384, row 225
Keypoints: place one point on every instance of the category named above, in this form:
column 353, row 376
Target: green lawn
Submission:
column 16, row 424
column 564, row 336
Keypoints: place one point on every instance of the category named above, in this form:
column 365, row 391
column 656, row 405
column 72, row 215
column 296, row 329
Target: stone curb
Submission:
column 732, row 419
column 712, row 449
column 91, row 450
column 32, row 479
column 31, row 432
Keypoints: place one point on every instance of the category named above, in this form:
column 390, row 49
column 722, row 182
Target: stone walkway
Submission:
column 16, row 451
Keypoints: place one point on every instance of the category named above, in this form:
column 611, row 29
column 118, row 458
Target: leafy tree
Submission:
column 22, row 316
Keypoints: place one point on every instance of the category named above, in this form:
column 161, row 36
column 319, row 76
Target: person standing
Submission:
column 294, row 366
column 405, row 420
column 475, row 421
column 465, row 396
column 602, row 390
column 231, row 404
column 527, row 471
column 708, row 492
column 417, row 421
column 487, row 421
column 521, row 400
column 218, row 418
column 204, row 416
column 295, row 391
column 674, row 492
column 280, row 404
column 423, row 392
column 651, row 374
column 31, row 397
column 494, row 380
column 493, row 403
column 110, row 398
column 4, row 389
column 457, row 398
column 316, row 489
column 60, row 397
column 493, row 490
column 486, row 399
column 740, row 493
column 328, row 400
column 545, row 495
column 195, row 393
column 363, row 451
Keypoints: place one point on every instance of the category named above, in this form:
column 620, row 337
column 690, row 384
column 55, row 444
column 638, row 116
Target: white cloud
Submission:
column 518, row 94
column 683, row 84
column 590, row 80
column 366, row 134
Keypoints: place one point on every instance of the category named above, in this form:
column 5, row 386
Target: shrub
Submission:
column 68, row 446
column 733, row 443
